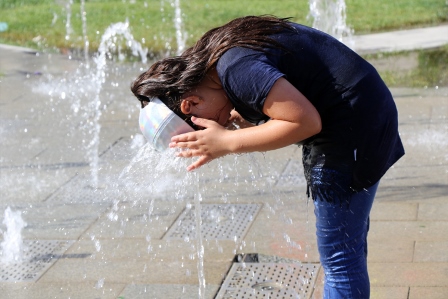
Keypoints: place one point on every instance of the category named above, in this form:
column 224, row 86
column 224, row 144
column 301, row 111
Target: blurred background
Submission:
column 166, row 27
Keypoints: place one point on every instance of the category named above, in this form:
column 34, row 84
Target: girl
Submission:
column 296, row 85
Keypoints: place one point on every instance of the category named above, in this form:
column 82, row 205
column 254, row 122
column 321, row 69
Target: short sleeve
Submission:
column 247, row 77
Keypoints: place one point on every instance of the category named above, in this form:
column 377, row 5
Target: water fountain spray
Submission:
column 83, row 89
column 109, row 40
column 68, row 28
column 84, row 30
column 329, row 16
column 180, row 36
column 12, row 244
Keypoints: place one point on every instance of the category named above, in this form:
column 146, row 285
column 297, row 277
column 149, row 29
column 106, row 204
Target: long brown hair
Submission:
column 171, row 77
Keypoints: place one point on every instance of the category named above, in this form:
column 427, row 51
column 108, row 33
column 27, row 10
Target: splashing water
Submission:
column 80, row 88
column 68, row 28
column 200, row 246
column 180, row 36
column 431, row 141
column 329, row 16
column 165, row 173
column 12, row 245
column 109, row 40
column 84, row 30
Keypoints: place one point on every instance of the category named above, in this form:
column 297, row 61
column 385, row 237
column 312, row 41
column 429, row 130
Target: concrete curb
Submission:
column 404, row 40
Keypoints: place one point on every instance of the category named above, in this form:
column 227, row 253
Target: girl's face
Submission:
column 208, row 100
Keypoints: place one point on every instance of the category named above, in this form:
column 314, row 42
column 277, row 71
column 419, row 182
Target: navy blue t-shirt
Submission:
column 359, row 140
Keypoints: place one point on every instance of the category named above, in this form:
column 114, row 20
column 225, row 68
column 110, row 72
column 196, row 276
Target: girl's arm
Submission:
column 293, row 119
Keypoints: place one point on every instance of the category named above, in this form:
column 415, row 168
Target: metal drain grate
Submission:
column 219, row 221
column 269, row 280
column 38, row 256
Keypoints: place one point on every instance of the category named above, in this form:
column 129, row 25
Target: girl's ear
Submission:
column 187, row 104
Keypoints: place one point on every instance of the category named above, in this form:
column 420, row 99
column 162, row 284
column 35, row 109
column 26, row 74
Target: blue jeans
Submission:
column 342, row 242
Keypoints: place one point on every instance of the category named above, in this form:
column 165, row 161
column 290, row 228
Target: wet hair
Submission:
column 169, row 78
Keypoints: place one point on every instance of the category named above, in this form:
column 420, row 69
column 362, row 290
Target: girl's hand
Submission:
column 208, row 144
column 237, row 121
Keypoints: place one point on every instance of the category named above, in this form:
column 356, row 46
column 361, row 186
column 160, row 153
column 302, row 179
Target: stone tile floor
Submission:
column 117, row 229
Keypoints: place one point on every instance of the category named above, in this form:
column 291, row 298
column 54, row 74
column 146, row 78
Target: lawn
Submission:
column 57, row 25
column 42, row 24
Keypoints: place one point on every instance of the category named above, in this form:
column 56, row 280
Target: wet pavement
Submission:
column 131, row 234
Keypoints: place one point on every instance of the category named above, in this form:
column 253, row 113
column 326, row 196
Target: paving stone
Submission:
column 31, row 184
column 408, row 274
column 154, row 250
column 428, row 293
column 62, row 290
column 431, row 251
column 433, row 212
column 57, row 221
column 147, row 219
column 389, row 292
column 393, row 211
column 398, row 251
column 294, row 239
column 163, row 291
column 57, row 211
column 134, row 271
column 414, row 184
column 407, row 230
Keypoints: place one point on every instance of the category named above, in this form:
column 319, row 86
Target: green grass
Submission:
column 41, row 24
column 375, row 16
column 152, row 20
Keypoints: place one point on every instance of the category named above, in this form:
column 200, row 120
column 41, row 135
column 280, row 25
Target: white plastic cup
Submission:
column 159, row 123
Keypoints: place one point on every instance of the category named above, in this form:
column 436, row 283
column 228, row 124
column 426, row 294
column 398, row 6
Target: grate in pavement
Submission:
column 269, row 280
column 219, row 221
column 38, row 256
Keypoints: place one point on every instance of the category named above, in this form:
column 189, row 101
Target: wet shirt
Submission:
column 359, row 140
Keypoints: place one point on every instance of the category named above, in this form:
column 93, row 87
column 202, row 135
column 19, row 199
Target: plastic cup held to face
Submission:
column 158, row 124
